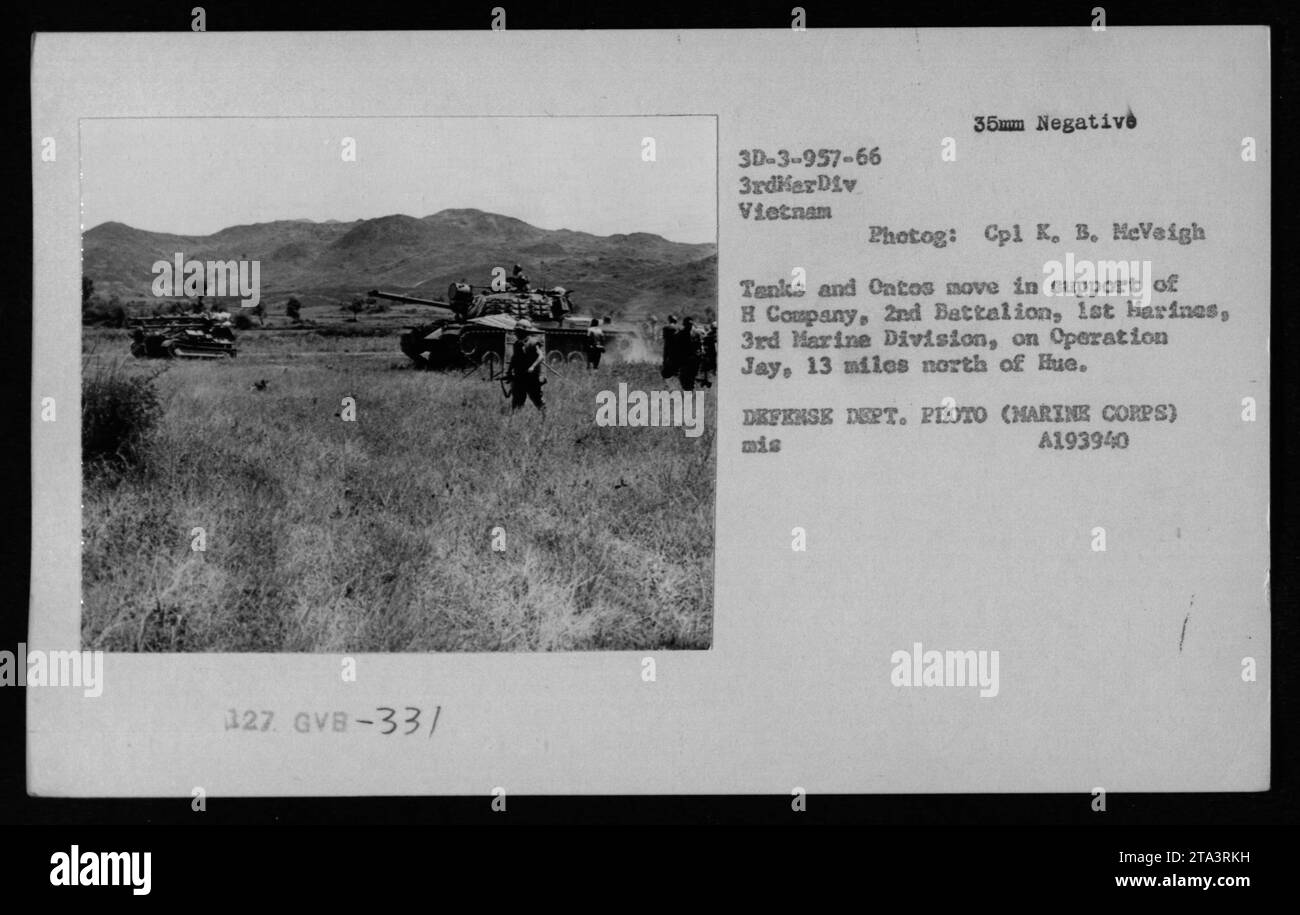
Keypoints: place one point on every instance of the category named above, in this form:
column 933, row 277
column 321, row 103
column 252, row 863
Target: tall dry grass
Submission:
column 376, row 535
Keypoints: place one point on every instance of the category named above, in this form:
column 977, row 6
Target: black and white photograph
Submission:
column 559, row 415
column 373, row 385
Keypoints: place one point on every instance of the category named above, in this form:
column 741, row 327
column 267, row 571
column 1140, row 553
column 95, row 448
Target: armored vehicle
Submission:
column 472, row 328
column 206, row 336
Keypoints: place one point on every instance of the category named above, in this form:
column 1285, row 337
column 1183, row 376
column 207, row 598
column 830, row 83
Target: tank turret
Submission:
column 469, row 329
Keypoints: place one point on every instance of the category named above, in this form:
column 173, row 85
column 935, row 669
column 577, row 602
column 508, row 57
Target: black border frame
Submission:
column 1276, row 806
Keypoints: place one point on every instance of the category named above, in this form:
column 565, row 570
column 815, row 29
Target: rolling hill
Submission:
column 328, row 262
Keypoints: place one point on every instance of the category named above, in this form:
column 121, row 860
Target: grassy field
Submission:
column 377, row 535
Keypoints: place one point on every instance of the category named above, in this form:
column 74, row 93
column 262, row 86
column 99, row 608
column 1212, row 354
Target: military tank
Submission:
column 473, row 325
column 190, row 337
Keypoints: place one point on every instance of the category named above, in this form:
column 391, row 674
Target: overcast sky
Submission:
column 195, row 176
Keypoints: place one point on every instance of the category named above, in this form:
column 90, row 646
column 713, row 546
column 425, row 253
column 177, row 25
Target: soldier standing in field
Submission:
column 687, row 345
column 709, row 362
column 526, row 368
column 595, row 344
column 669, row 368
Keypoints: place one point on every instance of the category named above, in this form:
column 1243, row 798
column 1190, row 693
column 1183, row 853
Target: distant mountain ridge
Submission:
column 327, row 261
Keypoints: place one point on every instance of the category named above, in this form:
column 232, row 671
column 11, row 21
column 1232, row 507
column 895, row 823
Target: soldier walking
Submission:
column 526, row 368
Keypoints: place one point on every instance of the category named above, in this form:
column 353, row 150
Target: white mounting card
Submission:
column 956, row 480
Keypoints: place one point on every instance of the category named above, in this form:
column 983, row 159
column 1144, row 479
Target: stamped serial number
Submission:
column 831, row 157
column 405, row 720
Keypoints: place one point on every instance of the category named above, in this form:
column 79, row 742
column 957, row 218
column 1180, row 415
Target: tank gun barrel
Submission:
column 409, row 300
